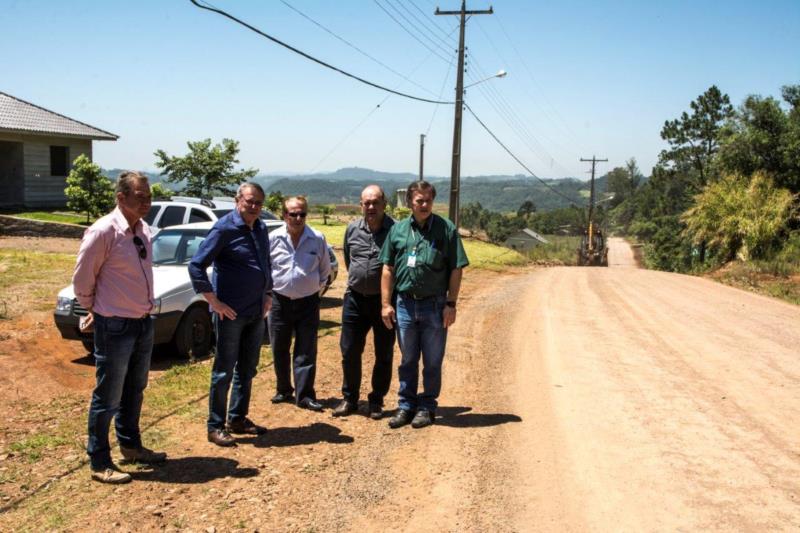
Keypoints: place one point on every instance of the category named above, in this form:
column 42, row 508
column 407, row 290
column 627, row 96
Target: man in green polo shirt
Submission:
column 422, row 260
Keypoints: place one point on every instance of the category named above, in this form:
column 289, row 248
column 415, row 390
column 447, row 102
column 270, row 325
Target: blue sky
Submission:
column 585, row 77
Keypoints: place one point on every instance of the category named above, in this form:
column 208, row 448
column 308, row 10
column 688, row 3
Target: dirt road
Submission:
column 574, row 399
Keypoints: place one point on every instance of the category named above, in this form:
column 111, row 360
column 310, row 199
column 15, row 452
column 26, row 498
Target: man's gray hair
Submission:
column 419, row 186
column 250, row 185
column 127, row 180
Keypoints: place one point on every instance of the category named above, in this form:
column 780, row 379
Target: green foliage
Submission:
column 737, row 216
column 160, row 191
column 88, row 191
column 206, row 170
column 526, row 208
column 274, row 202
column 326, row 211
column 763, row 136
column 399, row 213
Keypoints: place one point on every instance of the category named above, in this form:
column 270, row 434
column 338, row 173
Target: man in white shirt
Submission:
column 300, row 268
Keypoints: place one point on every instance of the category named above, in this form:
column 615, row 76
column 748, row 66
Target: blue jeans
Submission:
column 420, row 330
column 122, row 350
column 236, row 360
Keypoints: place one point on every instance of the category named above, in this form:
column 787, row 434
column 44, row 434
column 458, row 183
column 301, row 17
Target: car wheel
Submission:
column 88, row 344
column 193, row 336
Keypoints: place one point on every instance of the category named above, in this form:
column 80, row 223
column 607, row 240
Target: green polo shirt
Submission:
column 437, row 249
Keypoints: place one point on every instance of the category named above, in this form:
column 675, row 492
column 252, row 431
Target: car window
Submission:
column 151, row 215
column 165, row 247
column 265, row 215
column 196, row 215
column 176, row 247
column 173, row 216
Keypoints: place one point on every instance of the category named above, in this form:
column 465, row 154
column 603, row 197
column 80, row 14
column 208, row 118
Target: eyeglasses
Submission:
column 140, row 247
column 301, row 214
column 253, row 203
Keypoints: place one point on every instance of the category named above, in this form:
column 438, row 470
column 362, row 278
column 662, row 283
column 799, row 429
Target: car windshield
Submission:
column 265, row 215
column 176, row 247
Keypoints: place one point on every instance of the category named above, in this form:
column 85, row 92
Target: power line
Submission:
column 312, row 58
column 354, row 47
column 523, row 165
column 435, row 52
column 424, row 24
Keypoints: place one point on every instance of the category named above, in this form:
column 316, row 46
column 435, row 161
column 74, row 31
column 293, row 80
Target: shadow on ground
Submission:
column 462, row 417
column 194, row 470
column 298, row 436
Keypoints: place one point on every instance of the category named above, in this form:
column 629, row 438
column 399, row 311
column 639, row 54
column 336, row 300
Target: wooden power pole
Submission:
column 455, row 170
column 594, row 162
column 421, row 155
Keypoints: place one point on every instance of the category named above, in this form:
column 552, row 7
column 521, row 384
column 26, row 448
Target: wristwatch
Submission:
column 451, row 304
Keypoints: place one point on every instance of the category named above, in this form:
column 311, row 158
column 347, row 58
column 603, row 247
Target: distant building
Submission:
column 524, row 240
column 37, row 148
column 401, row 197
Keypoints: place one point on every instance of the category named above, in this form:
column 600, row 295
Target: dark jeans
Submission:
column 420, row 330
column 361, row 313
column 238, row 351
column 122, row 350
column 298, row 318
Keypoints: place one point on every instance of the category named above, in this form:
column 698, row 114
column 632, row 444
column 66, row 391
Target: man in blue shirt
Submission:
column 300, row 268
column 239, row 297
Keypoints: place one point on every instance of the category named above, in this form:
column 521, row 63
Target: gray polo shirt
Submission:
column 362, row 249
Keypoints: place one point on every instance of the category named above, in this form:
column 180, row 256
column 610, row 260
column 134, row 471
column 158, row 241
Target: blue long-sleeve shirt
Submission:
column 242, row 274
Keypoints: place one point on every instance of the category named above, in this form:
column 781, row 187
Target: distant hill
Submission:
column 494, row 192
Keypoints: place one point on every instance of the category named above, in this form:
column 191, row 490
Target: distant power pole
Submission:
column 421, row 154
column 594, row 162
column 455, row 170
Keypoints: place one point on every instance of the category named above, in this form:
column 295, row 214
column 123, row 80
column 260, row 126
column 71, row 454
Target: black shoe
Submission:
column 220, row 437
column 422, row 419
column 282, row 397
column 400, row 418
column 345, row 408
column 244, row 426
column 375, row 411
column 310, row 404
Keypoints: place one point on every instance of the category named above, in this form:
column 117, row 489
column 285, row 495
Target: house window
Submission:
column 59, row 160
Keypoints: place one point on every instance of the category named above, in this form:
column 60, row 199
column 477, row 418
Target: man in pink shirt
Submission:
column 113, row 279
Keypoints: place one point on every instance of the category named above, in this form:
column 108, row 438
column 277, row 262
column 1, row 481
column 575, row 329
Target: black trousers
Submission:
column 299, row 319
column 361, row 313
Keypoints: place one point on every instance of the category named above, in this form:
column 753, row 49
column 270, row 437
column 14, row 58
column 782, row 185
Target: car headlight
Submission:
column 63, row 305
column 156, row 307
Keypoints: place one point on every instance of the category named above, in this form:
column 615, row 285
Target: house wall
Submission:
column 42, row 189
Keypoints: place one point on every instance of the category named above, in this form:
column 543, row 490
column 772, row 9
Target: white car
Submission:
column 185, row 210
column 180, row 316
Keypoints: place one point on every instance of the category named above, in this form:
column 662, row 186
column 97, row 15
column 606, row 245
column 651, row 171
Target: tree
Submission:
column 326, row 211
column 694, row 139
column 526, row 208
column 206, row 169
column 274, row 202
column 160, row 191
column 88, row 191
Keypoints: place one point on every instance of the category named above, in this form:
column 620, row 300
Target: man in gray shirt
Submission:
column 361, row 308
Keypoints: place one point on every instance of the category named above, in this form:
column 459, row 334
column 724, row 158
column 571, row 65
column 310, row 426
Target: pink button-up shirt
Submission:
column 110, row 278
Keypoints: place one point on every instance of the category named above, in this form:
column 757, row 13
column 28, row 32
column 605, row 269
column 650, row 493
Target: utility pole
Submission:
column 455, row 170
column 421, row 154
column 594, row 162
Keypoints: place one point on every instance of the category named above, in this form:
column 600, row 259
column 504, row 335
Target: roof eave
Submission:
column 99, row 137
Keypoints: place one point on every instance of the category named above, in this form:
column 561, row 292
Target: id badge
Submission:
column 412, row 260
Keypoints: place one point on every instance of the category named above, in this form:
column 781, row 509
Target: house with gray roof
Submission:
column 37, row 148
column 524, row 240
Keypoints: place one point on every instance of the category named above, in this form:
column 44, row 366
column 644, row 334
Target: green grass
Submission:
column 68, row 217
column 490, row 256
column 32, row 447
column 334, row 231
column 32, row 278
column 561, row 249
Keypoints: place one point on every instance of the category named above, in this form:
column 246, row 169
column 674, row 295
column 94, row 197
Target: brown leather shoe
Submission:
column 142, row 455
column 345, row 408
column 244, row 426
column 220, row 437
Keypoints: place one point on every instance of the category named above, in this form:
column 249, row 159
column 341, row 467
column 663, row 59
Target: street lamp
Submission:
column 500, row 74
